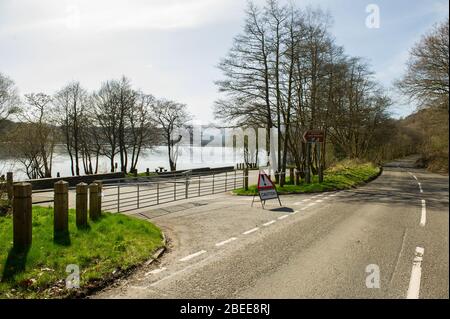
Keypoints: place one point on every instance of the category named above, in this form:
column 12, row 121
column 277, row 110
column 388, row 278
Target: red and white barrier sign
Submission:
column 266, row 188
column 264, row 181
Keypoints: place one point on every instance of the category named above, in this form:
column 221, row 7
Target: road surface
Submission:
column 331, row 245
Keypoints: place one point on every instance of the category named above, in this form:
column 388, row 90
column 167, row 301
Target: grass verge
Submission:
column 143, row 174
column 344, row 175
column 106, row 249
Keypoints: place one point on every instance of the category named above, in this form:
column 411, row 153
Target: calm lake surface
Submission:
column 189, row 157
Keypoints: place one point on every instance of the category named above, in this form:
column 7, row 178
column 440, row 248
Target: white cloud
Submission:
column 113, row 15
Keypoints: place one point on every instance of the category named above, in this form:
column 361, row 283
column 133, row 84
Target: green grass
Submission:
column 344, row 175
column 113, row 244
column 143, row 174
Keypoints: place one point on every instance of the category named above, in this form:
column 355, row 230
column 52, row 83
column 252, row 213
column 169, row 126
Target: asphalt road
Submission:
column 316, row 246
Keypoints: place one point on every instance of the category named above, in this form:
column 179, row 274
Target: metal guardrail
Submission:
column 44, row 199
column 124, row 195
column 131, row 193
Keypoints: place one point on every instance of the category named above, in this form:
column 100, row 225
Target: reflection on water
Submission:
column 188, row 157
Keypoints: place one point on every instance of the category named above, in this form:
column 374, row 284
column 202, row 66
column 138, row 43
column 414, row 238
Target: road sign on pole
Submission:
column 266, row 189
column 314, row 136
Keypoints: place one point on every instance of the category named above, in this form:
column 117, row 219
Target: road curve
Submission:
column 334, row 245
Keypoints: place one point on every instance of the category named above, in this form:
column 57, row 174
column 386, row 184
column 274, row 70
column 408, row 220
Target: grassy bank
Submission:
column 110, row 246
column 344, row 175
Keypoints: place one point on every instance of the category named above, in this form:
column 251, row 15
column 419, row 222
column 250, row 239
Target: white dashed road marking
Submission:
column 250, row 231
column 201, row 252
column 423, row 217
column 302, row 201
column 416, row 273
column 420, row 187
column 283, row 217
column 269, row 223
column 226, row 241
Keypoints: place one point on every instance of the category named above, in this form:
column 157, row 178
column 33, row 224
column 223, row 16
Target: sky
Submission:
column 171, row 48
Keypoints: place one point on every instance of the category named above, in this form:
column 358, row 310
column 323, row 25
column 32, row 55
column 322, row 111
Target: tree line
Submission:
column 116, row 121
column 426, row 84
column 285, row 71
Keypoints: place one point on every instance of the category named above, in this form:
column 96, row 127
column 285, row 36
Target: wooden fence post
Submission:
column 93, row 201
column 22, row 217
column 61, row 207
column 81, row 205
column 246, row 179
column 9, row 185
column 100, row 196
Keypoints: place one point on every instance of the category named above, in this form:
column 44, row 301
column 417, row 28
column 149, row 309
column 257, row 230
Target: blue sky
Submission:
column 170, row 48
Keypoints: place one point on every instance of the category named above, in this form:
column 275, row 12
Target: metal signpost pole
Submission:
column 308, row 163
column 319, row 163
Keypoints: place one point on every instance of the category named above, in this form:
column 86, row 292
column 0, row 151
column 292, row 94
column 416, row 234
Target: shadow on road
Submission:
column 282, row 209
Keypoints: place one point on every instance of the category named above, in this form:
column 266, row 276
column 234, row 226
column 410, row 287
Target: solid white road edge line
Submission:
column 423, row 217
column 250, row 231
column 179, row 271
column 416, row 273
column 193, row 255
column 226, row 241
column 269, row 223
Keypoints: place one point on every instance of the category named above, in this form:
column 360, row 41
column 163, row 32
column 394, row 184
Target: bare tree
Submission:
column 70, row 102
column 284, row 70
column 246, row 71
column 171, row 116
column 125, row 124
column 36, row 113
column 9, row 98
column 142, row 127
column 427, row 76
